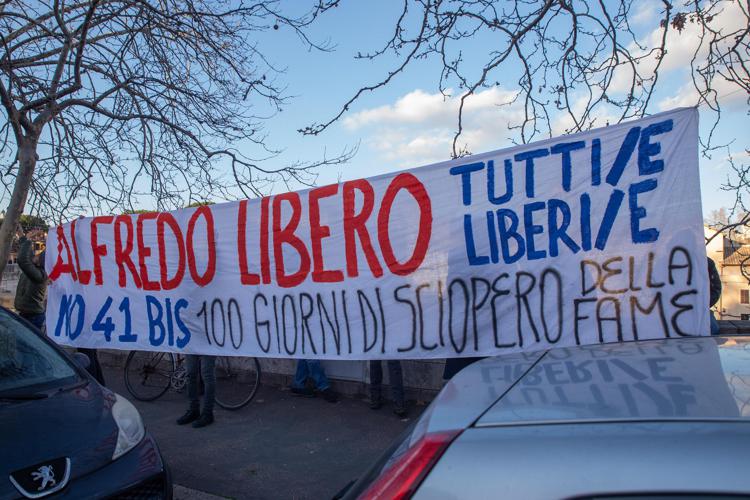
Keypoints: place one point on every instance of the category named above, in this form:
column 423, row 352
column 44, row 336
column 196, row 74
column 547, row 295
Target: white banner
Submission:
column 584, row 239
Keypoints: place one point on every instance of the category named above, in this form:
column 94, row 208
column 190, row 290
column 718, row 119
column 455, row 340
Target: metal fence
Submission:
column 10, row 278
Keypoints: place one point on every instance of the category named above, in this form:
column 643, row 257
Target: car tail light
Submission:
column 403, row 477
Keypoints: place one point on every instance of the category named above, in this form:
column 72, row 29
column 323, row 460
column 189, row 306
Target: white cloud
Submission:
column 727, row 92
column 643, row 13
column 602, row 115
column 685, row 96
column 419, row 127
column 419, row 107
column 415, row 107
column 681, row 47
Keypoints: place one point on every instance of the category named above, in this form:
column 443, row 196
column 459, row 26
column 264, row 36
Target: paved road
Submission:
column 279, row 446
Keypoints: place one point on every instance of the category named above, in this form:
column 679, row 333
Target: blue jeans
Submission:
column 205, row 365
column 313, row 369
column 455, row 365
column 395, row 378
column 715, row 330
column 35, row 319
column 95, row 368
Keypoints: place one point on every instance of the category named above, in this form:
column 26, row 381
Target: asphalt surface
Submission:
column 279, row 446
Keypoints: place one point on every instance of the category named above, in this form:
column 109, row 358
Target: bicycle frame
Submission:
column 178, row 380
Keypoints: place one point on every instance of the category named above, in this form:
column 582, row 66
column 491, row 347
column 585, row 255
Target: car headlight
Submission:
column 129, row 425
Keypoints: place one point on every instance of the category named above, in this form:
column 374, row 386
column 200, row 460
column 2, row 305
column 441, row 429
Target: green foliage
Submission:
column 136, row 212
column 196, row 204
column 29, row 222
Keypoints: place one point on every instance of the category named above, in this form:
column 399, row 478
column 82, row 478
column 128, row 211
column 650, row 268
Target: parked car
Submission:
column 64, row 435
column 652, row 419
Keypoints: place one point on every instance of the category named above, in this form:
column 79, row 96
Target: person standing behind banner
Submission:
column 94, row 368
column 311, row 368
column 455, row 365
column 206, row 367
column 31, row 291
column 396, row 381
column 715, row 292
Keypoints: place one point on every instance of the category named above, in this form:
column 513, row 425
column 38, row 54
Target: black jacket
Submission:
column 32, row 284
column 715, row 281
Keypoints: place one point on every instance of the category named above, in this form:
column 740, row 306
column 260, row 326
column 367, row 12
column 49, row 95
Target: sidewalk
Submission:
column 279, row 446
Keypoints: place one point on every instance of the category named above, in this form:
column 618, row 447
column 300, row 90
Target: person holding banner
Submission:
column 95, row 367
column 455, row 365
column 715, row 292
column 311, row 368
column 31, row 292
column 396, row 380
column 205, row 366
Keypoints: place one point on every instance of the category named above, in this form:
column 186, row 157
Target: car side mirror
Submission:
column 82, row 360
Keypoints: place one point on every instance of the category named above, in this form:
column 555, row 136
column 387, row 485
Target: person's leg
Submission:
column 35, row 319
column 299, row 385
column 94, row 368
column 39, row 321
column 300, row 376
column 193, row 365
column 208, row 374
column 318, row 375
column 396, row 379
column 455, row 365
column 376, row 385
column 715, row 329
column 321, row 381
column 193, row 412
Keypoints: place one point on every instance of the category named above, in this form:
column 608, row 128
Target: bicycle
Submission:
column 149, row 375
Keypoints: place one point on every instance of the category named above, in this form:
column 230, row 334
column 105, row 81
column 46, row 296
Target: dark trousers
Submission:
column 310, row 368
column 715, row 328
column 455, row 365
column 36, row 319
column 395, row 377
column 95, row 369
column 205, row 366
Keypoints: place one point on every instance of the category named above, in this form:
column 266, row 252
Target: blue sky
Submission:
column 408, row 123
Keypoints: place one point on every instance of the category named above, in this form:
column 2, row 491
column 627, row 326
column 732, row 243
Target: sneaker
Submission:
column 376, row 403
column 204, row 420
column 303, row 391
column 329, row 395
column 191, row 415
column 399, row 410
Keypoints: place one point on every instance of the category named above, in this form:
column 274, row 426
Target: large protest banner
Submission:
column 589, row 238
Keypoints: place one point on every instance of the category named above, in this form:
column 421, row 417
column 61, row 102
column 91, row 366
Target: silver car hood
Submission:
column 473, row 390
column 673, row 379
column 706, row 378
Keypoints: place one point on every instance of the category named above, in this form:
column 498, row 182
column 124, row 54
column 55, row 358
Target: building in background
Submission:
column 732, row 258
column 36, row 231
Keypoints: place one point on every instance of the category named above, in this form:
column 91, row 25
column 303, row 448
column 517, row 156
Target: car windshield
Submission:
column 28, row 364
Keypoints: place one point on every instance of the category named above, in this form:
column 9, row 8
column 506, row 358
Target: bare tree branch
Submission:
column 576, row 59
column 114, row 101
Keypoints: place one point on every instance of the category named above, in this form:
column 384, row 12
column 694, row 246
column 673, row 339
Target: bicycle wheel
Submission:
column 148, row 374
column 237, row 381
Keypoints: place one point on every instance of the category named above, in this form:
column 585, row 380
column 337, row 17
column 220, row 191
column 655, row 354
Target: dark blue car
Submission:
column 63, row 435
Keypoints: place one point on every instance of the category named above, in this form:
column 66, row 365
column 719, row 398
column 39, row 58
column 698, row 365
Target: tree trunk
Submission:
column 26, row 164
